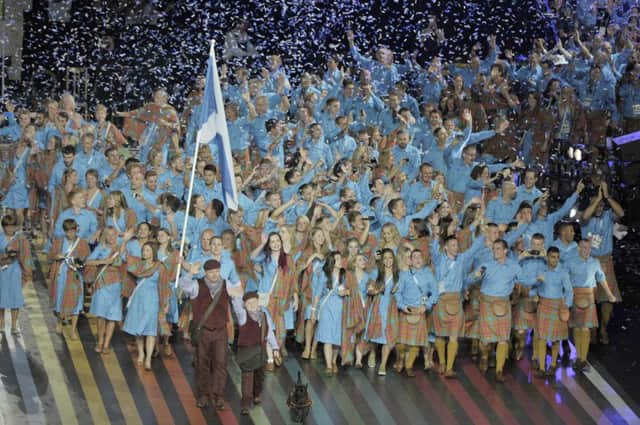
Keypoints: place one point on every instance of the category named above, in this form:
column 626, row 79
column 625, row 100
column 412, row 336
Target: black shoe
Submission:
column 244, row 411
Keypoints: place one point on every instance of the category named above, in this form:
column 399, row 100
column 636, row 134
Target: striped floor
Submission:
column 50, row 379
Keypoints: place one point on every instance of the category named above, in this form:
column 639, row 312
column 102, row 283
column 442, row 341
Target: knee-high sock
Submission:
column 440, row 348
column 586, row 340
column 501, row 355
column 401, row 349
column 578, row 341
column 555, row 350
column 540, row 346
column 412, row 353
column 606, row 311
column 452, row 351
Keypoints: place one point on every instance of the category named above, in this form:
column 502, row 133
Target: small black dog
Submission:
column 299, row 401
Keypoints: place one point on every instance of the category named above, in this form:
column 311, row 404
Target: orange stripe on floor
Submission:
column 154, row 393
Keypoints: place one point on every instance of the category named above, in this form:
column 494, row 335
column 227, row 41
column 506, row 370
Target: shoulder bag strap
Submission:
column 213, row 304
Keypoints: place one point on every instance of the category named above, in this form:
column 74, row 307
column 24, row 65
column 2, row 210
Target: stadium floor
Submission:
column 50, row 379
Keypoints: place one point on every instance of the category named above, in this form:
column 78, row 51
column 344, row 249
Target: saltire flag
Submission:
column 213, row 128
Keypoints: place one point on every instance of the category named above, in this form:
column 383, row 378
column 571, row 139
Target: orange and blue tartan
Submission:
column 304, row 291
column 21, row 245
column 374, row 329
column 412, row 334
column 353, row 319
column 446, row 325
column 583, row 317
column 492, row 328
column 280, row 298
column 73, row 283
column 606, row 263
column 549, row 327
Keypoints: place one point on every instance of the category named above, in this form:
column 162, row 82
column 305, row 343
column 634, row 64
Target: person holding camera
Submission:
column 67, row 256
column 597, row 225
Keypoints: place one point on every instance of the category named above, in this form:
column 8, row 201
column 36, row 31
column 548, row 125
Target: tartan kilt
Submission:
column 492, row 328
column 522, row 320
column 412, row 334
column 472, row 313
column 606, row 262
column 583, row 317
column 549, row 327
column 445, row 324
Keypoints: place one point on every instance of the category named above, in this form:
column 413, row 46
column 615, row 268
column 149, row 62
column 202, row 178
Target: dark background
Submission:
column 169, row 47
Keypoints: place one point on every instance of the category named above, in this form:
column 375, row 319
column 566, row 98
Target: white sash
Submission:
column 21, row 159
column 333, row 288
column 136, row 290
column 93, row 197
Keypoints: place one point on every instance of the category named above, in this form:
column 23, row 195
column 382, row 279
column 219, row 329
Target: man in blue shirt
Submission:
column 556, row 296
column 417, row 290
column 597, row 225
column 585, row 274
column 499, row 277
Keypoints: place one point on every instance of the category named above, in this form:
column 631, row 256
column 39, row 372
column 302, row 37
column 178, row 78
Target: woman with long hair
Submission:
column 169, row 257
column 277, row 287
column 382, row 319
column 102, row 270
column 148, row 302
column 308, row 264
column 117, row 214
column 339, row 311
column 362, row 277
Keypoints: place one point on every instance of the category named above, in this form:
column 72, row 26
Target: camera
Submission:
column 534, row 252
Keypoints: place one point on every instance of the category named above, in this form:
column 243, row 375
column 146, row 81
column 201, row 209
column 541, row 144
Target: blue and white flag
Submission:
column 213, row 129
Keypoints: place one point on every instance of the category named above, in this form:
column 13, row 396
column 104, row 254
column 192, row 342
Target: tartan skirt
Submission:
column 606, row 262
column 491, row 327
column 471, row 313
column 415, row 334
column 445, row 323
column 522, row 319
column 583, row 317
column 549, row 327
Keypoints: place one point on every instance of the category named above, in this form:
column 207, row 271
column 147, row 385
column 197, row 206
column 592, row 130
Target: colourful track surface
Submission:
column 50, row 379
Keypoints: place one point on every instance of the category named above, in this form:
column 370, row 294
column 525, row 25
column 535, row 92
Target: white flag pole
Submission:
column 193, row 174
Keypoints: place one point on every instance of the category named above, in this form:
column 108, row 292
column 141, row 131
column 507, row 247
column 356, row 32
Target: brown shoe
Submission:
column 219, row 404
column 202, row 402
column 540, row 374
column 410, row 372
column 269, row 367
column 450, row 374
column 257, row 400
column 499, row 377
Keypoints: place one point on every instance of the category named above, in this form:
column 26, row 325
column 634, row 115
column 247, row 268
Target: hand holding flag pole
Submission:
column 212, row 128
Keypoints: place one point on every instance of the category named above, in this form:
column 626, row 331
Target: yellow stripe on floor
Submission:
column 119, row 384
column 87, row 381
column 51, row 365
